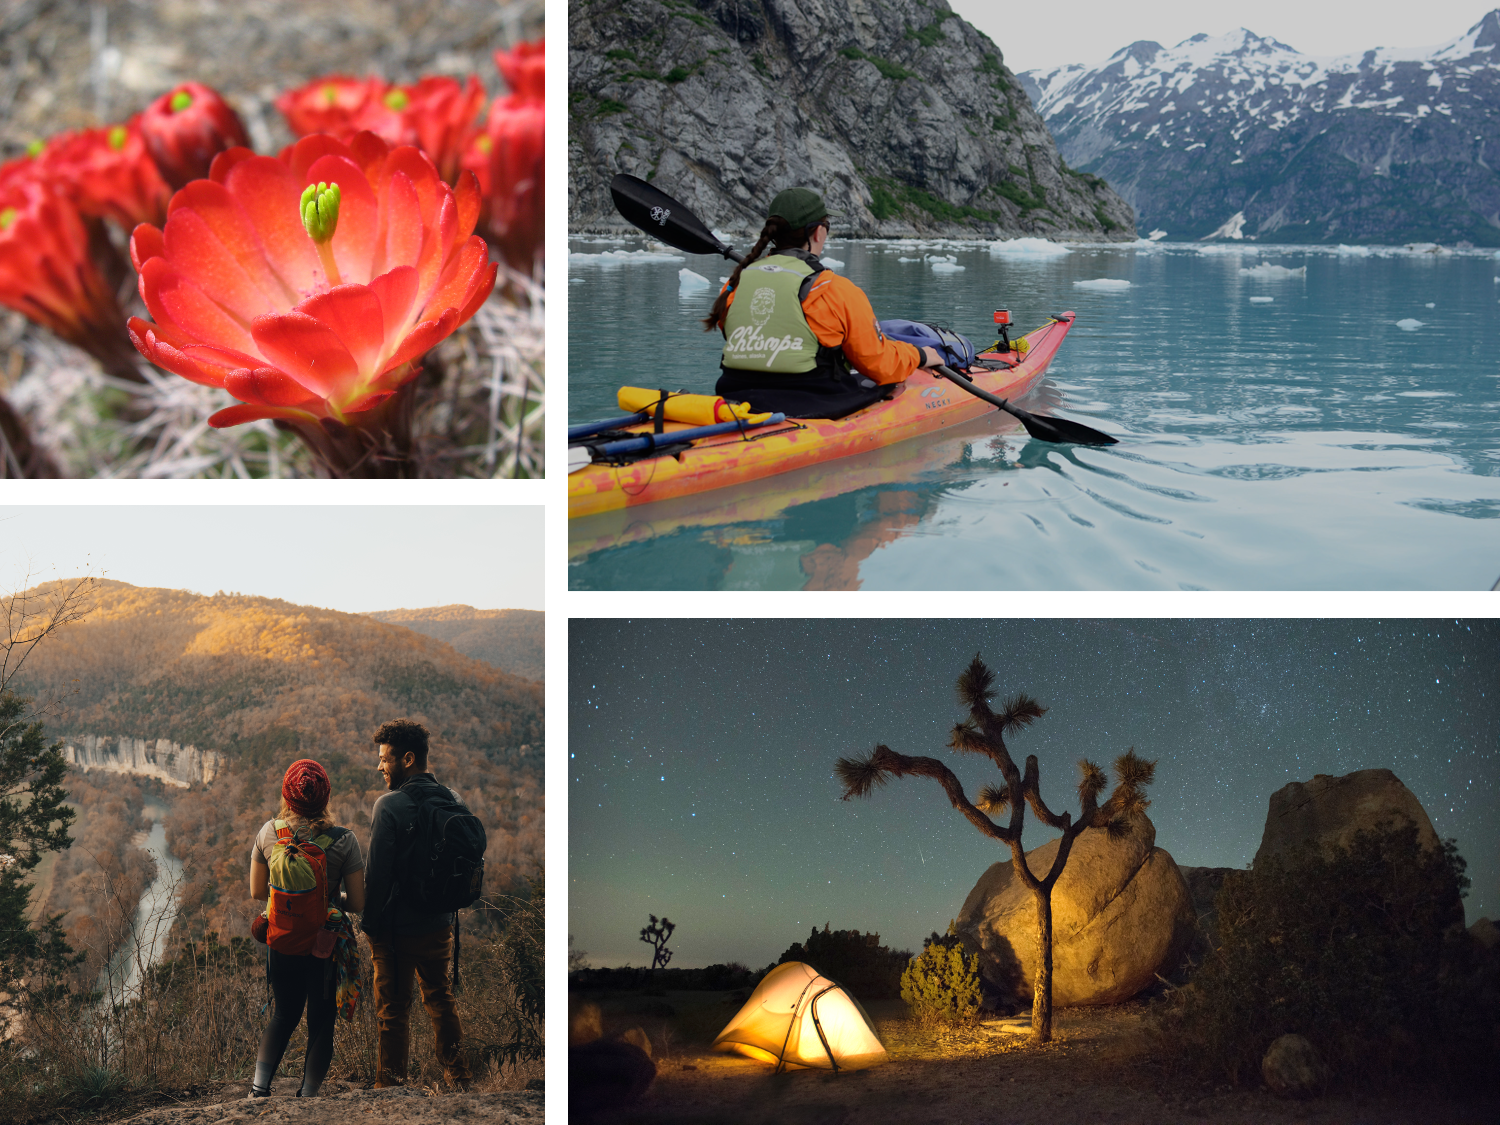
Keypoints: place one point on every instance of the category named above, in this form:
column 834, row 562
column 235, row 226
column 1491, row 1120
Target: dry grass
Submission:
column 196, row 1020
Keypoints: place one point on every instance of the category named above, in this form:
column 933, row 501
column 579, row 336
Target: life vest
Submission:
column 297, row 911
column 765, row 329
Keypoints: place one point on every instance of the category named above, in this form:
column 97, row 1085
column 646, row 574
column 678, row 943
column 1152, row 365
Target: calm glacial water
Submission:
column 1344, row 434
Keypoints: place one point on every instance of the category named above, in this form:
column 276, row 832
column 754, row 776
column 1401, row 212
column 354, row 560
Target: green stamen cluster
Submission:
column 330, row 94
column 320, row 211
column 7, row 217
column 180, row 101
column 397, row 100
column 117, row 137
column 34, row 148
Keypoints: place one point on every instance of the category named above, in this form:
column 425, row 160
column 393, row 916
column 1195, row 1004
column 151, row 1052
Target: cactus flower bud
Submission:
column 107, row 173
column 186, row 128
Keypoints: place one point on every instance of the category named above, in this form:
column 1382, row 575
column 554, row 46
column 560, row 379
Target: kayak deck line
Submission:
column 721, row 461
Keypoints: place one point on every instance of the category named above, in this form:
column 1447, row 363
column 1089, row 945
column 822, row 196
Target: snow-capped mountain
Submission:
column 1244, row 137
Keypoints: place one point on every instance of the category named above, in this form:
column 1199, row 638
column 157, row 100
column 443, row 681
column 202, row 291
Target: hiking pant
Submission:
column 298, row 982
column 430, row 956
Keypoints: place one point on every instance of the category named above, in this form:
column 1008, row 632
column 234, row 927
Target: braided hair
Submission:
column 778, row 234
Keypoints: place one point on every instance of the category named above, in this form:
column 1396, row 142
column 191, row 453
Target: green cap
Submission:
column 799, row 206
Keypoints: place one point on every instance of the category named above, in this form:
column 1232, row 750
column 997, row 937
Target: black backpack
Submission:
column 444, row 868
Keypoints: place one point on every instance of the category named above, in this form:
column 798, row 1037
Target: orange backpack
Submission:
column 297, row 910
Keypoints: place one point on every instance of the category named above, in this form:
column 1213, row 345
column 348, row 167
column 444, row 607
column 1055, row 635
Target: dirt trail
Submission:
column 1091, row 1074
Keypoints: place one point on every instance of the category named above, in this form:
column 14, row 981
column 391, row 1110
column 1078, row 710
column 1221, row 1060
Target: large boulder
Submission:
column 1293, row 1068
column 1121, row 913
column 1327, row 812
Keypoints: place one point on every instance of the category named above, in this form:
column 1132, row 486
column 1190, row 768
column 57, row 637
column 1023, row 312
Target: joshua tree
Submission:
column 656, row 935
column 983, row 732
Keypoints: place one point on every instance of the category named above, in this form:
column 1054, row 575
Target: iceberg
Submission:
column 623, row 257
column 946, row 267
column 690, row 282
column 1261, row 300
column 1273, row 272
column 1028, row 248
column 1106, row 283
column 1409, row 324
column 919, row 259
column 575, row 281
column 1353, row 251
column 832, row 263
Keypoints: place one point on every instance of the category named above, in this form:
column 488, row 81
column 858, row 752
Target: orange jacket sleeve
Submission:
column 840, row 315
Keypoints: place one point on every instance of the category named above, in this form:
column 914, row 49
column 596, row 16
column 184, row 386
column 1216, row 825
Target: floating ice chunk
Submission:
column 690, row 282
column 1106, row 283
column 1028, row 248
column 1353, row 251
column 623, row 257
column 1409, row 324
column 942, row 257
column 945, row 266
column 721, row 236
column 575, row 281
column 1269, row 271
column 832, row 263
column 1430, row 305
column 919, row 259
column 1261, row 300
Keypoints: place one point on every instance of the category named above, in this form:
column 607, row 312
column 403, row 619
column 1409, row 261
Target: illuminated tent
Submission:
column 796, row 1018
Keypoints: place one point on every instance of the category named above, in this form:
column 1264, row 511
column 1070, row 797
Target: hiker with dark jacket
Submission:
column 303, row 980
column 405, row 939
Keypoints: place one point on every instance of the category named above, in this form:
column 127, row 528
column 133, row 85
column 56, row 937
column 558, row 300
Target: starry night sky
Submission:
column 701, row 753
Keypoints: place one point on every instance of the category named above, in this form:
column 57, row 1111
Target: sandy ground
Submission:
column 1094, row 1072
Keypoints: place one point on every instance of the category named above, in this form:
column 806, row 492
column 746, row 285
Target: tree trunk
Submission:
column 1041, row 999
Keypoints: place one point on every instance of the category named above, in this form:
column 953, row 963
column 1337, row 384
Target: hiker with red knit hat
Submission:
column 297, row 864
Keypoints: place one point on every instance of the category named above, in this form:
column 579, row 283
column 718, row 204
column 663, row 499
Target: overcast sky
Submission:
column 1089, row 31
column 354, row 559
column 701, row 757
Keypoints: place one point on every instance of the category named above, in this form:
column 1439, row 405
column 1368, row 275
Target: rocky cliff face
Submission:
column 159, row 758
column 1243, row 137
column 902, row 115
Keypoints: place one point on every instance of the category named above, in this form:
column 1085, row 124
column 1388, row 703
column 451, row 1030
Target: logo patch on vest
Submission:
column 762, row 305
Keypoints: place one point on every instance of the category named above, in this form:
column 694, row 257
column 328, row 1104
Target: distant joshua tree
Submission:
column 656, row 936
column 983, row 732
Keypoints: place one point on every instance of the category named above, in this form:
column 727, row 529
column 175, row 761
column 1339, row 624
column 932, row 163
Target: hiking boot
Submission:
column 257, row 1092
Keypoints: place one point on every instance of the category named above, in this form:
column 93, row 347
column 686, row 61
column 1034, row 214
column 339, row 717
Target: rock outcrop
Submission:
column 160, row 758
column 1121, row 913
column 899, row 112
column 1328, row 811
column 1244, row 137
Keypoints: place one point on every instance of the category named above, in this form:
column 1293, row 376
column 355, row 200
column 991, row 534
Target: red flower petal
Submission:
column 145, row 242
column 173, row 299
column 369, row 402
column 397, row 291
column 308, row 151
column 226, row 160
column 422, row 339
column 212, row 203
column 353, row 313
column 308, row 351
column 236, row 415
column 265, row 189
column 196, row 253
column 454, row 293
column 401, row 220
column 480, row 294
column 150, row 342
column 466, row 198
column 266, row 386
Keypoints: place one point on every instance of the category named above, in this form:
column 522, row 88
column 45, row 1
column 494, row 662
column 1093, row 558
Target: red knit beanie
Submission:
column 305, row 788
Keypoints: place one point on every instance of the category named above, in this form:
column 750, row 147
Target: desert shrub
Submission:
column 856, row 960
column 942, row 984
column 1362, row 951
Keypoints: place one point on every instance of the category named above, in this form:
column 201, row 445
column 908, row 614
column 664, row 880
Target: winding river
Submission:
column 120, row 979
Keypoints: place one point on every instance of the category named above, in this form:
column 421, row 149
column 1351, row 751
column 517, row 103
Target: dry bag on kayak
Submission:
column 955, row 349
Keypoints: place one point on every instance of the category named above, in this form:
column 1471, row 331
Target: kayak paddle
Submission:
column 1059, row 430
column 661, row 216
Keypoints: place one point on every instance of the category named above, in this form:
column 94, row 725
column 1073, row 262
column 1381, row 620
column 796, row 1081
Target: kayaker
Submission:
column 804, row 340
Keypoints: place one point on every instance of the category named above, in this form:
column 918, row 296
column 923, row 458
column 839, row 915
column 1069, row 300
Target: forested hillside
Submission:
column 513, row 640
column 266, row 682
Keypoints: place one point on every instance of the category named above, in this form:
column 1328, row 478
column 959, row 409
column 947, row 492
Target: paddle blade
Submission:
column 661, row 216
column 1054, row 429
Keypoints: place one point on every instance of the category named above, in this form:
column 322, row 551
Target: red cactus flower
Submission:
column 518, row 135
column 309, row 285
column 436, row 114
column 186, row 128
column 524, row 69
column 107, row 173
column 329, row 105
column 47, row 271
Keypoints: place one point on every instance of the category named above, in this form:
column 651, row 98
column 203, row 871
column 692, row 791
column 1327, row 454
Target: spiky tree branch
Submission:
column 983, row 731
